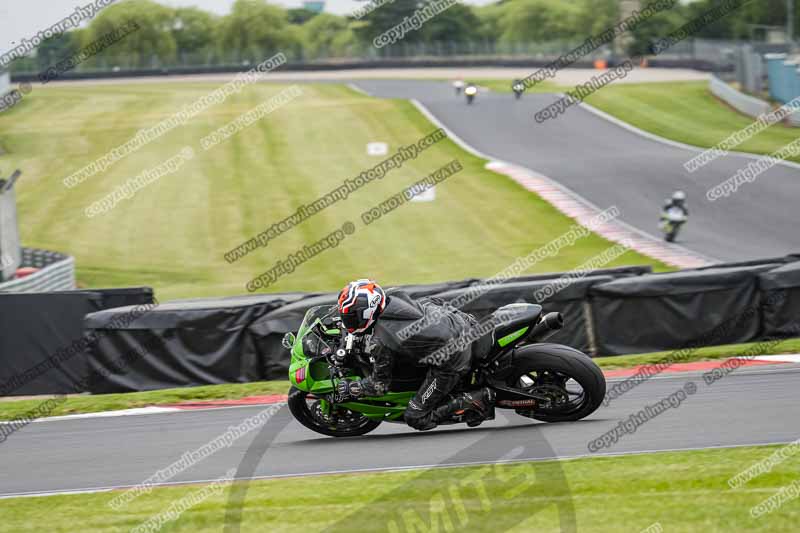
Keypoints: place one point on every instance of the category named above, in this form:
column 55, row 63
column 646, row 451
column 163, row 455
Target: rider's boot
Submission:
column 470, row 407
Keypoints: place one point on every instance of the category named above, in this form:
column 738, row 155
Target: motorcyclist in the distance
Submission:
column 518, row 87
column 366, row 310
column 678, row 200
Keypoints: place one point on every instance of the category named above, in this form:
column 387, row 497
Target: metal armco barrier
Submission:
column 744, row 103
column 57, row 273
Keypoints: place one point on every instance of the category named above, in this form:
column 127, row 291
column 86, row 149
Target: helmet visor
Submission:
column 352, row 321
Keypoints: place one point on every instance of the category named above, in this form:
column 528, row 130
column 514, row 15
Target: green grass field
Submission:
column 173, row 233
column 682, row 491
column 682, row 111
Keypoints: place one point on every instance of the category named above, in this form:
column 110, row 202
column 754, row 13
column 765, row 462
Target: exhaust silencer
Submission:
column 548, row 324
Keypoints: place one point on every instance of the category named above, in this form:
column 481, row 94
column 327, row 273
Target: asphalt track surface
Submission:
column 749, row 406
column 610, row 165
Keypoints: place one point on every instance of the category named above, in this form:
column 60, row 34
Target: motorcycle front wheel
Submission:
column 305, row 408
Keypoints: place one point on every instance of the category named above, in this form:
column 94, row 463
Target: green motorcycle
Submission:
column 547, row 382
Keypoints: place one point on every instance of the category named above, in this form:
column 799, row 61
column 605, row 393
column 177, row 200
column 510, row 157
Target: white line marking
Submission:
column 391, row 469
column 155, row 411
column 358, row 89
column 782, row 358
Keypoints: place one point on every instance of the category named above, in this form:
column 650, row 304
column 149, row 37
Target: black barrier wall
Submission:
column 227, row 340
column 40, row 344
column 569, row 301
column 179, row 344
column 37, row 331
column 664, row 311
column 781, row 299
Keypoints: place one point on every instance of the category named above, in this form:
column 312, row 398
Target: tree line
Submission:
column 255, row 29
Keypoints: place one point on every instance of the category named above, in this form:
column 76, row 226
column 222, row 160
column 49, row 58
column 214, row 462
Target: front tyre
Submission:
column 573, row 382
column 339, row 423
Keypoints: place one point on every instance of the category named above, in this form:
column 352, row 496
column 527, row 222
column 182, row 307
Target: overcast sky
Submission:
column 25, row 18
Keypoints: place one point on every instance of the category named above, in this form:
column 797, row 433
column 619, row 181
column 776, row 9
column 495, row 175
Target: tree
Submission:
column 300, row 15
column 490, row 19
column 539, row 21
column 738, row 23
column 654, row 28
column 596, row 16
column 56, row 48
column 385, row 17
column 323, row 35
column 152, row 42
column 255, row 30
column 194, row 30
column 457, row 23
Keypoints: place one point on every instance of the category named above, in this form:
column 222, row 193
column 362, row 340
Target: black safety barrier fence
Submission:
column 40, row 334
column 233, row 340
column 35, row 326
column 780, row 288
column 632, row 313
column 183, row 343
column 123, row 297
column 569, row 301
column 664, row 311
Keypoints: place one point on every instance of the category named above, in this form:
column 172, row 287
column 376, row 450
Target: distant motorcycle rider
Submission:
column 678, row 200
column 518, row 87
column 366, row 310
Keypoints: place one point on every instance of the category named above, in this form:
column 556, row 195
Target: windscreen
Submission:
column 313, row 344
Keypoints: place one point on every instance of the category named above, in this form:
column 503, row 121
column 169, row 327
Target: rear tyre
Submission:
column 344, row 423
column 570, row 377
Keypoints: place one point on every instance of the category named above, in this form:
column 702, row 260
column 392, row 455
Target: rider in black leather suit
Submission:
column 366, row 310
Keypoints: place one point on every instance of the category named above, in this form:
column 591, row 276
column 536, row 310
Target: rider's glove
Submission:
column 348, row 388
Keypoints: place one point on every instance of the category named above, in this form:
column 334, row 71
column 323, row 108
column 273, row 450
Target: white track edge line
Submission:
column 358, row 89
column 83, row 416
column 394, row 469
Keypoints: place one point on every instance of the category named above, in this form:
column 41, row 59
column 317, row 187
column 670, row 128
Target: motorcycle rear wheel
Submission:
column 354, row 425
column 549, row 368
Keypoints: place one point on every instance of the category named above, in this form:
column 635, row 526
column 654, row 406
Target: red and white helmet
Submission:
column 360, row 304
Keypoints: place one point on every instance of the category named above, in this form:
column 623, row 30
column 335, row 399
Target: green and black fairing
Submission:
column 309, row 369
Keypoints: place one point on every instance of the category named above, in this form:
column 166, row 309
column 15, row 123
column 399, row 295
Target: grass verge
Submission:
column 681, row 491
